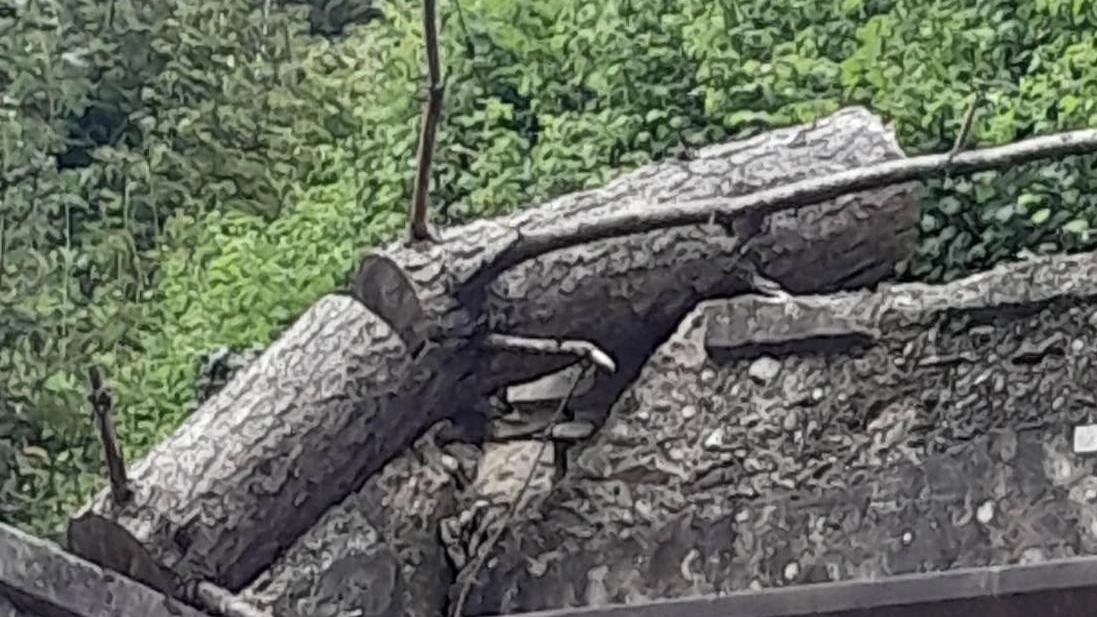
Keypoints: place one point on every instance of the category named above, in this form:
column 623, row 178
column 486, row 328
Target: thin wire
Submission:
column 512, row 508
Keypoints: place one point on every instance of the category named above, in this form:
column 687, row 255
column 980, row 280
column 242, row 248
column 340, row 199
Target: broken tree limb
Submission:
column 340, row 393
column 576, row 349
column 529, row 245
column 50, row 581
column 624, row 294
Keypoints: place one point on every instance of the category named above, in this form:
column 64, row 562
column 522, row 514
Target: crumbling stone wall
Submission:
column 772, row 443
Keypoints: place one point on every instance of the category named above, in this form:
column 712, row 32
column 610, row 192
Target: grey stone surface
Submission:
column 915, row 428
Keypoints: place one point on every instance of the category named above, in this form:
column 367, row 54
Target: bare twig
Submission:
column 546, row 346
column 724, row 211
column 102, row 407
column 508, row 517
column 264, row 29
column 266, row 18
column 3, row 238
column 220, row 601
column 965, row 127
column 768, row 287
column 418, row 224
column 470, row 49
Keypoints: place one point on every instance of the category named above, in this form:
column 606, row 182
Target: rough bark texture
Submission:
column 858, row 435
column 40, row 579
column 341, row 393
column 376, row 553
column 255, row 466
column 627, row 294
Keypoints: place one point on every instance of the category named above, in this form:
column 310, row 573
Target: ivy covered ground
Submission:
column 179, row 176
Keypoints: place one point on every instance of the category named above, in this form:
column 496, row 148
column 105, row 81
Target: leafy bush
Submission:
column 248, row 162
column 1036, row 63
column 117, row 117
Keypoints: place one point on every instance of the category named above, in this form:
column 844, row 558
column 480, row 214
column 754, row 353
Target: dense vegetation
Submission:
column 177, row 176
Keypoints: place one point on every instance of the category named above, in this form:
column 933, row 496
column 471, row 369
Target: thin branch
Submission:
column 724, row 211
column 264, row 29
column 102, row 408
column 512, row 508
column 418, row 224
column 220, row 601
column 546, row 346
column 965, row 127
column 3, row 238
column 470, row 49
column 766, row 286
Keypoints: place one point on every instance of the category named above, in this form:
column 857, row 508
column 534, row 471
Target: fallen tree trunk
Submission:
column 260, row 461
column 625, row 294
column 377, row 552
column 346, row 388
column 853, row 435
column 39, row 579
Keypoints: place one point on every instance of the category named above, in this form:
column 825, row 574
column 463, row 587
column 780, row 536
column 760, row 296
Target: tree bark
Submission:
column 378, row 552
column 43, row 580
column 345, row 388
column 626, row 294
column 256, row 465
column 859, row 435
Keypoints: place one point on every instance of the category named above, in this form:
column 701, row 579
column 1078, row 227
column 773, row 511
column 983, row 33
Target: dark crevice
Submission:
column 845, row 345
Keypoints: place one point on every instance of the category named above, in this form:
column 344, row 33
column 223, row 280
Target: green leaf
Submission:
column 1025, row 200
column 57, row 383
column 1076, row 226
column 1004, row 213
column 949, row 205
column 37, row 452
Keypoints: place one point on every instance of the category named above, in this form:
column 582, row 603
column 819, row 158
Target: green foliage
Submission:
column 117, row 117
column 1037, row 64
column 45, row 328
column 179, row 177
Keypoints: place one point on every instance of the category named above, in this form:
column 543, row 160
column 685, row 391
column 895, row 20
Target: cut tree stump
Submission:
column 345, row 389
